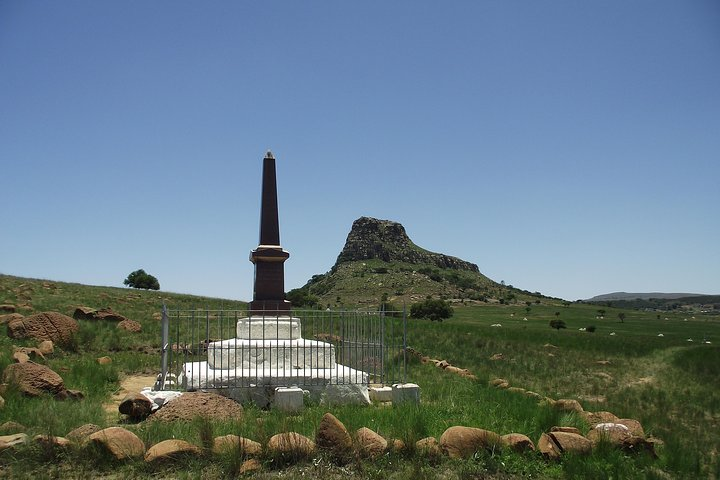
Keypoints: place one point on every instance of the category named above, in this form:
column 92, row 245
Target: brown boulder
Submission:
column 497, row 356
column 554, row 444
column 463, row 442
column 291, row 446
column 397, row 445
column 6, row 307
column 244, row 447
column 33, row 379
column 566, row 430
column 568, row 405
column 130, row 326
column 250, row 465
column 516, row 389
column 171, row 449
column 442, row 364
column 46, row 347
column 333, row 436
column 10, row 441
column 190, row 405
column 518, row 442
column 369, row 443
column 429, row 447
column 104, row 360
column 120, row 443
column 52, row 326
column 51, row 442
column 593, row 418
column 20, row 357
column 80, row 434
column 32, row 353
column 136, row 406
column 10, row 317
column 11, row 427
column 633, row 425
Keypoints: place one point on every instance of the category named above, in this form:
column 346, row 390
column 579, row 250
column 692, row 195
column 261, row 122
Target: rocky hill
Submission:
column 380, row 264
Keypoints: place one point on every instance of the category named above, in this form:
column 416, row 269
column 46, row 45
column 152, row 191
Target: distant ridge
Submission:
column 642, row 296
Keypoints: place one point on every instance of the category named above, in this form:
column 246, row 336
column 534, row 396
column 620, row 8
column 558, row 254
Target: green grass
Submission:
column 668, row 384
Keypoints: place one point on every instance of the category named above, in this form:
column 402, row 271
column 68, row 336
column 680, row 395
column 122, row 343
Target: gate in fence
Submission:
column 229, row 349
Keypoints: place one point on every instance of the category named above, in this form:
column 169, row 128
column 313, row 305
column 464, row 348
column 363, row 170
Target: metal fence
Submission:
column 230, row 349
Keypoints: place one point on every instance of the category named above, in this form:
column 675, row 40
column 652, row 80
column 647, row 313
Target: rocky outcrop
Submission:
column 385, row 240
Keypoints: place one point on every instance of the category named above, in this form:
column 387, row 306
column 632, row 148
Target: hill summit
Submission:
column 370, row 238
column 379, row 264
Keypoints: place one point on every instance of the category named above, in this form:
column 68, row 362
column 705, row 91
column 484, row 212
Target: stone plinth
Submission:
column 271, row 354
column 262, row 328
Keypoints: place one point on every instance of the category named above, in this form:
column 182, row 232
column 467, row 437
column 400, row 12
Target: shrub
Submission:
column 140, row 279
column 433, row 309
column 557, row 324
column 590, row 328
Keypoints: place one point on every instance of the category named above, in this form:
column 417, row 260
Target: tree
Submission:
column 433, row 309
column 140, row 279
column 621, row 316
column 557, row 324
column 301, row 297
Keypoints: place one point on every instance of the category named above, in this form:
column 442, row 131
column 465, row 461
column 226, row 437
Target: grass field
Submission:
column 670, row 385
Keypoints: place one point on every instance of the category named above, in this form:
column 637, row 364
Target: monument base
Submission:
column 337, row 385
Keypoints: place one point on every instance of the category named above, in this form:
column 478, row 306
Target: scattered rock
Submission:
column 369, row 443
column 32, row 353
column 130, row 325
column 518, row 442
column 6, row 307
column 333, row 436
column 568, row 405
column 87, row 313
column 10, row 441
column 11, row 427
column 566, row 430
column 429, row 447
column 548, row 447
column 2, row 403
column 33, row 379
column 497, row 382
column 171, row 449
column 46, row 347
column 593, row 418
column 234, row 443
column 199, row 404
column 633, row 425
column 534, row 395
column 442, row 364
column 250, row 465
column 104, row 360
column 463, row 442
column 10, row 317
column 571, row 443
column 136, row 405
column 290, row 446
column 550, row 346
column 20, row 357
column 81, row 434
column 84, row 313
column 70, row 395
column 516, row 389
column 497, row 356
column 397, row 445
column 120, row 443
column 52, row 326
column 52, row 442
column 602, row 362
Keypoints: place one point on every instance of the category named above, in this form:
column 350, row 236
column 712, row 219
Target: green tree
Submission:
column 621, row 316
column 557, row 324
column 140, row 279
column 301, row 297
column 433, row 309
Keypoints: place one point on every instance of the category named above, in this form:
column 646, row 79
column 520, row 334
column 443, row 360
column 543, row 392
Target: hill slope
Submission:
column 379, row 263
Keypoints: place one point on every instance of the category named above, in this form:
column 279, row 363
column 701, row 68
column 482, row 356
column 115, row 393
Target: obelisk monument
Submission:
column 269, row 256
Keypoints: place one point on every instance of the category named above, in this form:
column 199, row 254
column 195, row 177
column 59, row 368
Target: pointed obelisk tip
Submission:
column 269, row 155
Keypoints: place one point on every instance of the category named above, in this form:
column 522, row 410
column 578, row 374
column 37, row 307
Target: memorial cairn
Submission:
column 269, row 361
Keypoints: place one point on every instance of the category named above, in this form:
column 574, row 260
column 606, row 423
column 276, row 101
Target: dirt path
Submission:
column 129, row 384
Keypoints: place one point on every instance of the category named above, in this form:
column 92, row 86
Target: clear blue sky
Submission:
column 566, row 147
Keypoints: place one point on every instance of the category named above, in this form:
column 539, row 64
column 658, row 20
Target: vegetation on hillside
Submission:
column 667, row 383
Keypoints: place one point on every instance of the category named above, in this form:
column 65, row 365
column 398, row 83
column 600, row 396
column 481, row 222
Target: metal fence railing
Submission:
column 228, row 349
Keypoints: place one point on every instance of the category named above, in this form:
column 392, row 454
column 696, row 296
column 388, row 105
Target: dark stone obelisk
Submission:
column 268, row 257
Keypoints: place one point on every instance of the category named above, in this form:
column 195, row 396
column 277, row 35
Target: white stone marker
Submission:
column 405, row 392
column 289, row 399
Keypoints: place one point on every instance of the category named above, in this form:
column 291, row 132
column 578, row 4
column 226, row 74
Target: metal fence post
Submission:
column 165, row 346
